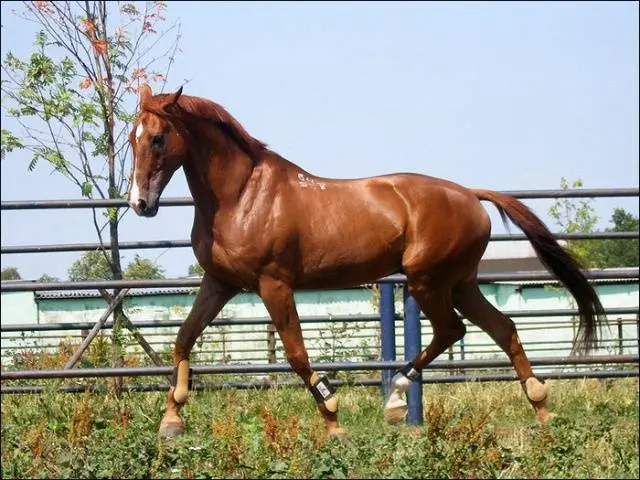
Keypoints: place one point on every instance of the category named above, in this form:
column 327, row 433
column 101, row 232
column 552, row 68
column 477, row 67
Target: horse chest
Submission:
column 227, row 264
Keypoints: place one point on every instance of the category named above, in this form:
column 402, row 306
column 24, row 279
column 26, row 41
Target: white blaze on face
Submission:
column 134, row 195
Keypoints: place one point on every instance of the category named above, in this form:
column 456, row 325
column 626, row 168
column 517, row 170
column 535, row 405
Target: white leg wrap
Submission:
column 399, row 386
column 181, row 392
column 535, row 389
column 332, row 404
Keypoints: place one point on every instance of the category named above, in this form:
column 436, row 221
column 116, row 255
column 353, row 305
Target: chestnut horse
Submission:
column 263, row 224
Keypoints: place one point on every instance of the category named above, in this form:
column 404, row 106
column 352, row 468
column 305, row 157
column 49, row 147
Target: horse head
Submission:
column 159, row 148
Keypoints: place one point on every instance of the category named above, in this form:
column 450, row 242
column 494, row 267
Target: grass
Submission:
column 470, row 430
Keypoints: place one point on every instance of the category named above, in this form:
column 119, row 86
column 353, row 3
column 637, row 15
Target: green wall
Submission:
column 324, row 340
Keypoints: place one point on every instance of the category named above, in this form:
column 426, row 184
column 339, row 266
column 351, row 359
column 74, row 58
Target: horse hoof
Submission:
column 545, row 417
column 169, row 430
column 340, row 434
column 395, row 414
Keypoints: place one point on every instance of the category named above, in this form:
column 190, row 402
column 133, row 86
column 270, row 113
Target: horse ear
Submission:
column 173, row 99
column 144, row 93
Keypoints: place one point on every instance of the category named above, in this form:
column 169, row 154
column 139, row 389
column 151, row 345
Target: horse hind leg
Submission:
column 436, row 303
column 474, row 306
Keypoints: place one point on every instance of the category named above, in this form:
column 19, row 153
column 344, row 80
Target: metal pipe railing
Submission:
column 320, row 367
column 188, row 201
column 82, row 247
column 576, row 193
column 44, row 327
column 176, row 323
column 314, row 349
column 261, row 385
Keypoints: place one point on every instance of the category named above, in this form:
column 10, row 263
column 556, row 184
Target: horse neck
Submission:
column 217, row 170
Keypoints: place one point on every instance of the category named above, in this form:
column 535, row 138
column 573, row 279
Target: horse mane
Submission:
column 207, row 110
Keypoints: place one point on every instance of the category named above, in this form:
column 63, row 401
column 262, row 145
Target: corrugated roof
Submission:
column 94, row 294
column 533, row 283
column 555, row 282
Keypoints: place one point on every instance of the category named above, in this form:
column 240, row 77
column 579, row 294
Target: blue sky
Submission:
column 504, row 96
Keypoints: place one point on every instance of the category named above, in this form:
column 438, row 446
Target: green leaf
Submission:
column 54, row 157
column 12, row 62
column 143, row 268
column 10, row 273
column 87, row 188
column 112, row 214
column 67, row 67
column 33, row 163
column 129, row 8
column 28, row 110
column 88, row 113
column 41, row 72
column 41, row 39
column 101, row 145
column 125, row 116
column 8, row 143
column 91, row 266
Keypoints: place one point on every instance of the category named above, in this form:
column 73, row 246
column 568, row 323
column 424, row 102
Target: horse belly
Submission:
column 348, row 259
column 346, row 276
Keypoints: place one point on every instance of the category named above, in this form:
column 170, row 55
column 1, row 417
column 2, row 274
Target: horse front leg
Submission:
column 210, row 299
column 279, row 301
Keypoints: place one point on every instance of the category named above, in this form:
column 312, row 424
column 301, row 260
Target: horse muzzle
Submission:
column 143, row 208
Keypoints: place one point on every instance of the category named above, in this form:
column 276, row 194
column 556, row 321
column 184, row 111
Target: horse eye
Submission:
column 157, row 140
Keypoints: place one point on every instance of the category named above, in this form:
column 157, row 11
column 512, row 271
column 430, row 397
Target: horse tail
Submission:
column 558, row 261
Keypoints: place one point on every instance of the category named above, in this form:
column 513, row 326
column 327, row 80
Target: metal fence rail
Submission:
column 188, row 201
column 82, row 247
column 264, row 385
column 44, row 327
column 320, row 367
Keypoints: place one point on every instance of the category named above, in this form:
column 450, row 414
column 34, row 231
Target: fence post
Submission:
column 271, row 343
column 387, row 332
column 412, row 347
column 620, row 337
